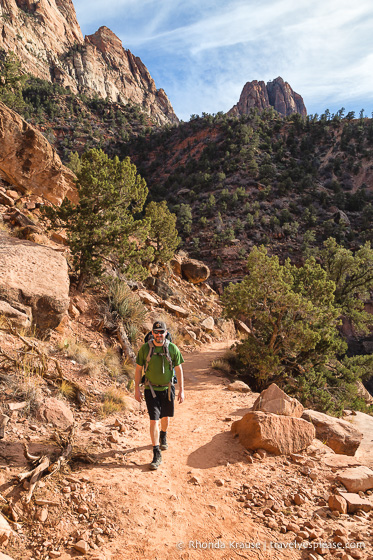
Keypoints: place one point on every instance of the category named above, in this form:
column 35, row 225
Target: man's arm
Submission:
column 180, row 382
column 138, row 372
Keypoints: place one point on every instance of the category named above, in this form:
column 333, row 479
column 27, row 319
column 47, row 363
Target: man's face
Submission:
column 159, row 336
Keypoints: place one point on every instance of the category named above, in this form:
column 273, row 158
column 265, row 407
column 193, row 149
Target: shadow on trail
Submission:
column 241, row 412
column 223, row 448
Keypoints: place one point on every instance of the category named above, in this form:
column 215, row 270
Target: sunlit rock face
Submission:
column 277, row 94
column 46, row 37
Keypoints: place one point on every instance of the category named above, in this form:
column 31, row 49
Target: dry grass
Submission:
column 112, row 363
column 92, row 369
column 26, row 389
column 77, row 351
column 4, row 228
column 221, row 365
column 66, row 390
column 114, row 401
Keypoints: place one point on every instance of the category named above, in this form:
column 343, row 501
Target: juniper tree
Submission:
column 293, row 317
column 105, row 224
column 163, row 235
column 352, row 273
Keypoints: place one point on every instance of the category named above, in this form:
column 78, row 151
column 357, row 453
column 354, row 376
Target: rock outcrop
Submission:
column 277, row 94
column 29, row 162
column 338, row 434
column 46, row 37
column 34, row 282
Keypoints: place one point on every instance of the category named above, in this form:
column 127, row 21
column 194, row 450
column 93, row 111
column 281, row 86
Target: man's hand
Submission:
column 180, row 397
column 138, row 394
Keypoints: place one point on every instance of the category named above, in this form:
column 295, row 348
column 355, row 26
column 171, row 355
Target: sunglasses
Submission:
column 159, row 332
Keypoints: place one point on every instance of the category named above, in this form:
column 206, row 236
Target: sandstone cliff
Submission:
column 277, row 94
column 46, row 37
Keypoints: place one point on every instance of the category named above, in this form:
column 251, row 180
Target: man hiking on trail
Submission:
column 160, row 358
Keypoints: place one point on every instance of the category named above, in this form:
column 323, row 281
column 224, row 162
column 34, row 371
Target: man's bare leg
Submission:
column 154, row 431
column 164, row 423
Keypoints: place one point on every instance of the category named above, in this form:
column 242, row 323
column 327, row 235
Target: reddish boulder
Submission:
column 276, row 434
column 338, row 434
column 55, row 412
column 274, row 400
column 195, row 271
column 356, row 479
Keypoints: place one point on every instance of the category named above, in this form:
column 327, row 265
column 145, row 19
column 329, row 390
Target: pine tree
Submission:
column 104, row 225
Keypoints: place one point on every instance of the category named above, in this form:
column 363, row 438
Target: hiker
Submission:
column 160, row 358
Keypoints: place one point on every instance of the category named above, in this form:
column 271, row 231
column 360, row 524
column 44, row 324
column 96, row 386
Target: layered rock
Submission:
column 34, row 282
column 46, row 37
column 277, row 94
column 29, row 162
column 338, row 434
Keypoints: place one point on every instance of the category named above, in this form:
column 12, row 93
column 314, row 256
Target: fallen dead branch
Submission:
column 47, row 466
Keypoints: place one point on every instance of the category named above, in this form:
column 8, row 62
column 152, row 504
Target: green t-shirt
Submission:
column 155, row 371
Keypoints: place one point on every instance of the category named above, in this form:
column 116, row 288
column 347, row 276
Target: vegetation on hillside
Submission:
column 288, row 183
column 70, row 122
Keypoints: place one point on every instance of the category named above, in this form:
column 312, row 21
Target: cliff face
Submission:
column 46, row 37
column 277, row 94
column 29, row 162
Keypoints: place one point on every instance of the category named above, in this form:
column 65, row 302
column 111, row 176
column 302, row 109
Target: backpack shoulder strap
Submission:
column 167, row 352
column 150, row 353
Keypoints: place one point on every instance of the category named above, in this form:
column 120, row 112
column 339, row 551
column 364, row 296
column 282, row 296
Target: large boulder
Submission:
column 276, row 434
column 195, row 271
column 53, row 411
column 338, row 434
column 34, row 283
column 29, row 162
column 274, row 400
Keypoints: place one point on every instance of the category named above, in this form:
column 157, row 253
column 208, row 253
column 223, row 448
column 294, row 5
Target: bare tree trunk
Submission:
column 81, row 282
column 125, row 344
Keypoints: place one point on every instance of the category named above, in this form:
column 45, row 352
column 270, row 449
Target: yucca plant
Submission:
column 123, row 302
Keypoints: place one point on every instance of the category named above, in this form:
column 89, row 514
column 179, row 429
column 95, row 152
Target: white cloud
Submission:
column 202, row 53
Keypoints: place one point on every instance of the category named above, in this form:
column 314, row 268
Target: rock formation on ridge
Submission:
column 277, row 94
column 46, row 37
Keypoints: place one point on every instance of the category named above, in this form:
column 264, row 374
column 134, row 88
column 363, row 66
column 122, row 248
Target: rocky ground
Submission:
column 210, row 498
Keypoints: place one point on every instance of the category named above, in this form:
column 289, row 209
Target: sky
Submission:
column 202, row 52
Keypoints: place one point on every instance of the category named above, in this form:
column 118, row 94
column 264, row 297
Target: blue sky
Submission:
column 202, row 52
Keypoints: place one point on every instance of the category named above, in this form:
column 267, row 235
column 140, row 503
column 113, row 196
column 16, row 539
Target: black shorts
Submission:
column 160, row 406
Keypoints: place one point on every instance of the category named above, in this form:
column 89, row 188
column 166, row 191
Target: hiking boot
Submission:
column 157, row 459
column 163, row 440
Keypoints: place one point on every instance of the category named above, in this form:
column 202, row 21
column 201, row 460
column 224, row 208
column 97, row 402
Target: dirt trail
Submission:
column 162, row 513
